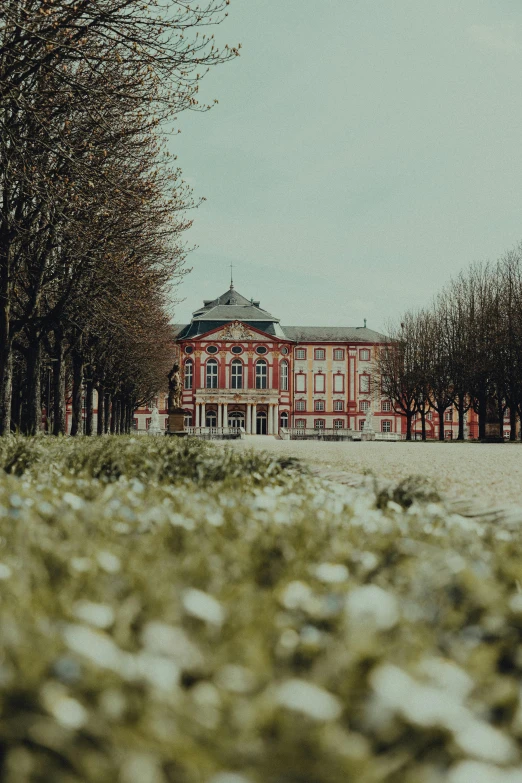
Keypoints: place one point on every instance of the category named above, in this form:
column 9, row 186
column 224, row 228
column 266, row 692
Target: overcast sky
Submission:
column 362, row 152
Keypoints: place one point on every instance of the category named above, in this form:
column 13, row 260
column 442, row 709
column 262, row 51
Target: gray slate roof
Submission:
column 232, row 306
column 246, row 312
column 332, row 334
column 199, row 327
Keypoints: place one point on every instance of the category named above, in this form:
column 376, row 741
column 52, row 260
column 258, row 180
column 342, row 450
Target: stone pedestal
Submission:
column 367, row 435
column 176, row 425
column 493, row 433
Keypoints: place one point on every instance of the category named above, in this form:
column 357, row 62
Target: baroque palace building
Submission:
column 242, row 368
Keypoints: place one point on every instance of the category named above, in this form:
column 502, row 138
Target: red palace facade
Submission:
column 242, row 368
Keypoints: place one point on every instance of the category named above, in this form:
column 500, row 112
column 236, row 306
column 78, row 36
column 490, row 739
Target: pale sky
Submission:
column 362, row 152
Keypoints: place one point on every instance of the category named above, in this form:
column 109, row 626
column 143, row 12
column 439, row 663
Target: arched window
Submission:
column 188, row 374
column 284, row 376
column 212, row 374
column 211, row 419
column 284, row 419
column 261, row 374
column 236, row 377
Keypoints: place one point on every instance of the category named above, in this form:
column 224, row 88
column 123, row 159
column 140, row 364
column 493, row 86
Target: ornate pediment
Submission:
column 233, row 331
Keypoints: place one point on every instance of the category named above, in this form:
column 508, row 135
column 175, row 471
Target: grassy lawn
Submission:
column 175, row 612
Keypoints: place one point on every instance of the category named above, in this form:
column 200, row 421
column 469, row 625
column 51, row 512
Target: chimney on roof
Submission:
column 365, row 323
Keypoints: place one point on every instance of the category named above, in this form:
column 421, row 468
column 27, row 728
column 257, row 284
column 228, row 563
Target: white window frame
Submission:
column 364, row 355
column 319, row 354
column 300, row 353
column 188, row 374
column 261, row 376
column 386, row 406
column 319, row 406
column 300, row 405
column 211, row 377
column 284, row 376
column 338, row 424
column 319, row 424
column 338, row 405
column 338, row 354
column 236, row 378
column 386, row 425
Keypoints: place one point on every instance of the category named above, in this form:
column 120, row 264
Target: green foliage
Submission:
column 178, row 612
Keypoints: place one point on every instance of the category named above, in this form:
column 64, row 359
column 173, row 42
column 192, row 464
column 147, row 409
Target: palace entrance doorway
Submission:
column 236, row 419
column 261, row 424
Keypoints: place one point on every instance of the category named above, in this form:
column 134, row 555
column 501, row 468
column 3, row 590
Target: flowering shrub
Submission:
column 176, row 612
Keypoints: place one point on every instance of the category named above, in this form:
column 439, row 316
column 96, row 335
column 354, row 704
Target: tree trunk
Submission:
column 33, row 417
column 441, row 424
column 101, row 409
column 6, row 385
column 423, row 423
column 16, row 406
column 114, row 415
column 408, row 425
column 107, row 414
column 482, row 412
column 59, row 369
column 89, row 408
column 461, row 415
column 76, row 426
column 500, row 418
column 123, row 409
column 512, row 422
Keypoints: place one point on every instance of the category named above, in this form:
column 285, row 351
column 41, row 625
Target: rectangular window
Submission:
column 338, row 383
column 386, row 406
column 448, row 434
column 300, row 423
column 300, row 382
column 300, row 405
column 300, row 353
column 319, row 382
column 364, row 405
column 338, row 424
column 319, row 405
column 448, row 416
column 361, row 424
column 188, row 376
column 364, row 383
column 386, row 426
column 338, row 354
column 338, row 405
column 261, row 374
column 429, row 416
column 364, row 355
column 284, row 376
column 319, row 354
column 319, row 424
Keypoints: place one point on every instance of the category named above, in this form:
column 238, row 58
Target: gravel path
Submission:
column 486, row 474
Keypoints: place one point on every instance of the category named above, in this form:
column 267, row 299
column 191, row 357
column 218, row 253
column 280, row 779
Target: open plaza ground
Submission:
column 479, row 473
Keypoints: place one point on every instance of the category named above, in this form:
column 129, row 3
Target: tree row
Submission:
column 463, row 352
column 92, row 207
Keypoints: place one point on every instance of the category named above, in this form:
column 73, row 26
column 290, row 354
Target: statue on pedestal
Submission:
column 368, row 433
column 154, row 428
column 176, row 416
